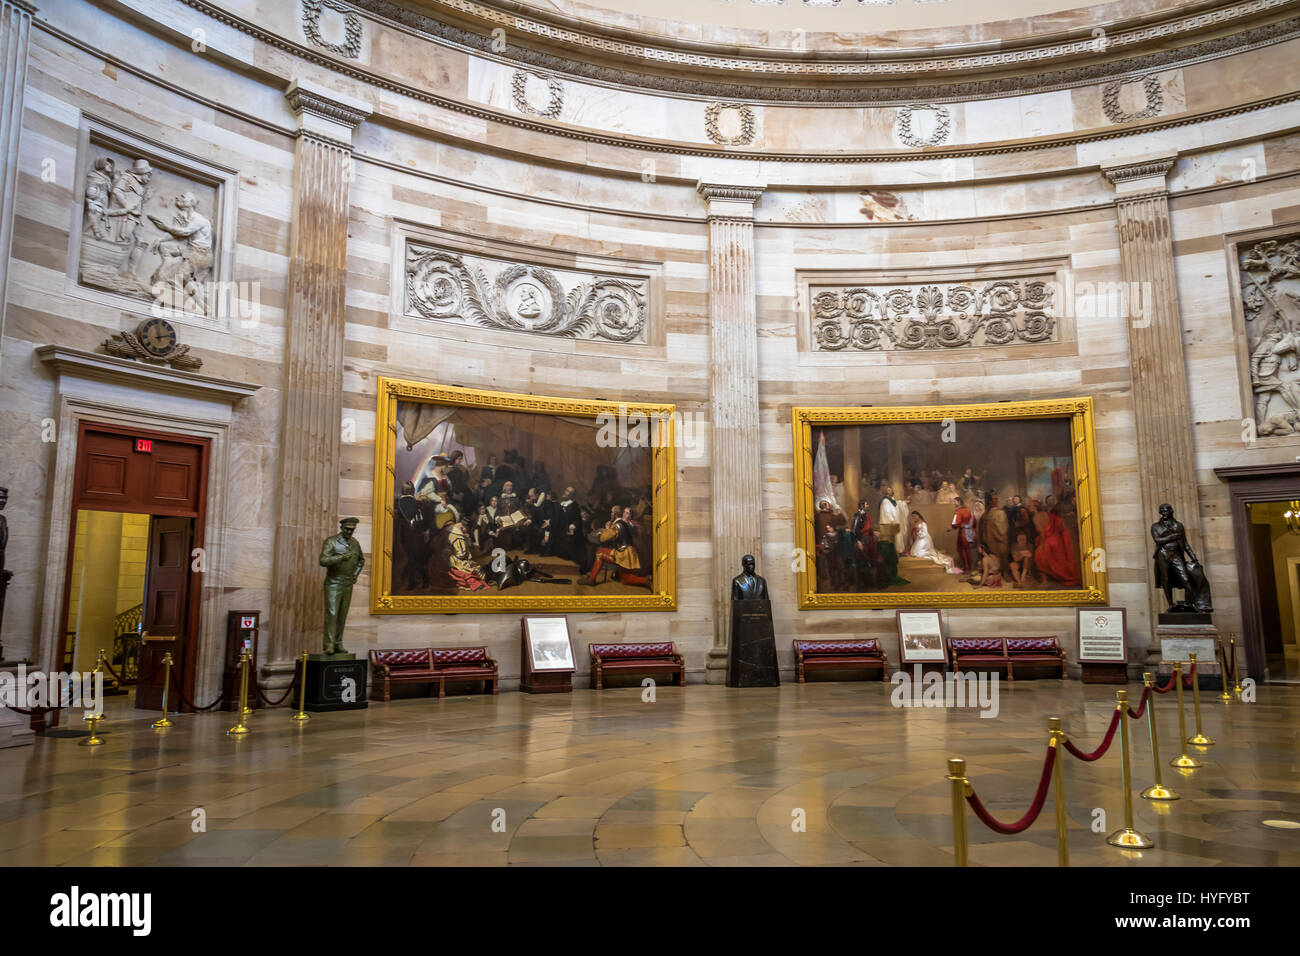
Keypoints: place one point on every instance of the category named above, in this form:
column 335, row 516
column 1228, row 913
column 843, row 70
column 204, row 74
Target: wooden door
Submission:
column 167, row 618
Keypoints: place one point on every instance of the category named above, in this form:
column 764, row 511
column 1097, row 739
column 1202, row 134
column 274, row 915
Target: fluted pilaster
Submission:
column 733, row 396
column 1166, row 460
column 311, row 431
column 15, row 31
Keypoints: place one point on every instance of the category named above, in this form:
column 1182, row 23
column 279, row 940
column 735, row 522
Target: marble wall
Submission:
column 453, row 176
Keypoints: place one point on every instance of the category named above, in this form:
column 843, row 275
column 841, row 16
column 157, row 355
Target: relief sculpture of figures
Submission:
column 1270, row 293
column 1177, row 566
column 186, row 256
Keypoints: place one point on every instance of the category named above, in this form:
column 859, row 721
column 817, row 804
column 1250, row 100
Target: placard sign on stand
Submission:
column 1103, row 650
column 920, row 640
column 546, row 654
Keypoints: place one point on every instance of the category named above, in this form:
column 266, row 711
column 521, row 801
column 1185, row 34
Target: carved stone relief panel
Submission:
column 875, row 316
column 152, row 227
column 537, row 95
column 925, row 125
column 332, row 26
column 729, row 124
column 451, row 286
column 1269, row 271
column 1149, row 99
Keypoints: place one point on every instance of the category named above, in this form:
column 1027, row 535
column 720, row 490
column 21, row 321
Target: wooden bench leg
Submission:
column 1011, row 674
column 442, row 687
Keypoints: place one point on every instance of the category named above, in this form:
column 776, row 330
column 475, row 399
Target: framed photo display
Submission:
column 920, row 637
column 495, row 501
column 1101, row 633
column 546, row 663
column 994, row 504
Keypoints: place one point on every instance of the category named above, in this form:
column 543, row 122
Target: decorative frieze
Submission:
column 349, row 43
column 449, row 286
column 949, row 315
column 1269, row 272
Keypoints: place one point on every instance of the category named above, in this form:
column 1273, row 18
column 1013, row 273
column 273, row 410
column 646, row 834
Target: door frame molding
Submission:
column 73, row 410
column 1252, row 484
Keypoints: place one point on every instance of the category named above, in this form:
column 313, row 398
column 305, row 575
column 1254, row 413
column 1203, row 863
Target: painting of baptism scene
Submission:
column 898, row 509
column 489, row 501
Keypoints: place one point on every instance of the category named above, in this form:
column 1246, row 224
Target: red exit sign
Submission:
column 144, row 445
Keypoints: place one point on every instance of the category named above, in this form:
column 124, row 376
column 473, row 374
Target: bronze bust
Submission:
column 1176, row 566
column 747, row 585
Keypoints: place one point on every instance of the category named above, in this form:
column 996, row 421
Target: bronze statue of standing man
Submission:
column 1176, row 566
column 342, row 559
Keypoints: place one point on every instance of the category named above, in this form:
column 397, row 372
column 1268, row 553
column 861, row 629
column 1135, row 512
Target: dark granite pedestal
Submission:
column 336, row 682
column 751, row 656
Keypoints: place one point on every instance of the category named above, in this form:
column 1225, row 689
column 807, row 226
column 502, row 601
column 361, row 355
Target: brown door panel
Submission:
column 166, row 607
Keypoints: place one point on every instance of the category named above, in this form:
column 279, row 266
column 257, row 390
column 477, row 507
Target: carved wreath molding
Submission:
column 1155, row 100
column 519, row 93
column 450, row 287
column 943, row 126
column 933, row 316
column 713, row 113
column 311, row 14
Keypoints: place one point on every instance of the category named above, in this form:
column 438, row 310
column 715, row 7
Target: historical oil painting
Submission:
column 488, row 501
column 949, row 505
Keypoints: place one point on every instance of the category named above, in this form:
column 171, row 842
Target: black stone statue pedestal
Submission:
column 336, row 682
column 751, row 655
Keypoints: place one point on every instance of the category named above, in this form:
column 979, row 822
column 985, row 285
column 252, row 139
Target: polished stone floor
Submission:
column 703, row 775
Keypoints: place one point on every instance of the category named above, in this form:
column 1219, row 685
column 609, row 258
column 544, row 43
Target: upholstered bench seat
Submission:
column 850, row 654
column 644, row 656
column 433, row 666
column 1006, row 652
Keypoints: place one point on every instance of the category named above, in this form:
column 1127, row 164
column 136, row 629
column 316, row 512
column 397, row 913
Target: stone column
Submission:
column 733, row 398
column 311, row 430
column 1166, row 464
column 15, row 29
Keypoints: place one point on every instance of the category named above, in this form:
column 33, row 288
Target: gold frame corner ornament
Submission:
column 1083, row 440
column 664, row 502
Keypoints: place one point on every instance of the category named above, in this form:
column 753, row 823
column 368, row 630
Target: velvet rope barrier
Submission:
column 270, row 703
column 130, row 683
column 1142, row 707
column 1035, row 808
column 1105, row 744
column 190, row 704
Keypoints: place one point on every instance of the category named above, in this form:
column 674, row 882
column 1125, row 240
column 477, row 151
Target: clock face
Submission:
column 157, row 336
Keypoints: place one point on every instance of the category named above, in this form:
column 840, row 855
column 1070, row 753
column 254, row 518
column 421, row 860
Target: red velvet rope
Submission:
column 1105, row 744
column 189, row 703
column 1230, row 663
column 1142, row 707
column 131, row 683
column 276, row 703
column 1035, row 808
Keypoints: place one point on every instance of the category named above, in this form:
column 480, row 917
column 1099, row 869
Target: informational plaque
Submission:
column 1182, row 649
column 546, row 662
column 920, row 637
column 1101, row 635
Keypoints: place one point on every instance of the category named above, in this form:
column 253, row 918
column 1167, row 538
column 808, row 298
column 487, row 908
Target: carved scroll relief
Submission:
column 937, row 315
column 1269, row 272
column 449, row 286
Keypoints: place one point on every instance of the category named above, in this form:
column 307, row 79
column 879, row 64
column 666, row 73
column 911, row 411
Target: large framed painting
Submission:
column 949, row 505
column 492, row 501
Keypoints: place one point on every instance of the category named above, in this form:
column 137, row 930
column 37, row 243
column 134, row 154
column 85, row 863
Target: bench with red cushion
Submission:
column 978, row 653
column 850, row 654
column 1036, row 652
column 647, row 657
column 433, row 666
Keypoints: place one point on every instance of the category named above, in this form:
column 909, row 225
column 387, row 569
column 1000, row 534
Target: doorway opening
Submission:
column 1275, row 548
column 135, row 559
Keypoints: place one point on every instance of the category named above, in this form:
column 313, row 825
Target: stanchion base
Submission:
column 1225, row 697
column 1200, row 740
column 1185, row 762
column 1130, row 840
column 238, row 731
column 1159, row 792
column 161, row 723
column 91, row 742
column 301, row 716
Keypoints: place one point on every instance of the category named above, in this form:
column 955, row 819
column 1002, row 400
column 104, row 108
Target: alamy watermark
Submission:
column 932, row 689
column 37, row 690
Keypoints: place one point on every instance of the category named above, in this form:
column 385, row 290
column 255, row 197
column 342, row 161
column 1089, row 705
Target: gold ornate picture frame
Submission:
column 1072, row 516
column 636, row 426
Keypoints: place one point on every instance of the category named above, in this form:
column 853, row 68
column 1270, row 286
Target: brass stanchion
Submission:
column 1199, row 737
column 94, row 740
column 98, row 668
column 302, row 714
column 1226, row 695
column 1058, row 785
column 1127, row 838
column 240, row 727
column 957, row 774
column 1183, row 761
column 1236, row 679
column 162, row 723
column 1157, row 791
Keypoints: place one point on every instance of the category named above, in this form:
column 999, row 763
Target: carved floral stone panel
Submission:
column 1269, row 272
column 937, row 315
column 449, row 286
column 148, row 232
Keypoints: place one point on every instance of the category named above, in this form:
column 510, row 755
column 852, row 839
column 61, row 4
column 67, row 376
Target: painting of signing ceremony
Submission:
column 900, row 508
